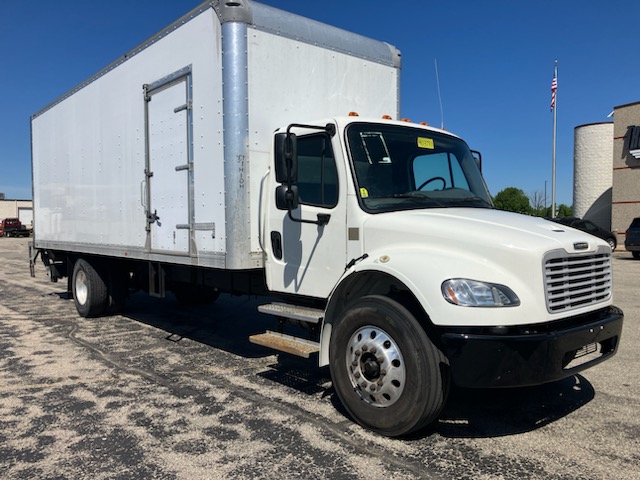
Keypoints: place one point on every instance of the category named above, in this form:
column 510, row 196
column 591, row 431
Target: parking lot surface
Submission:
column 167, row 393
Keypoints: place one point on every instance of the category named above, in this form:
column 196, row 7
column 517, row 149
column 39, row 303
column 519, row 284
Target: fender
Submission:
column 420, row 271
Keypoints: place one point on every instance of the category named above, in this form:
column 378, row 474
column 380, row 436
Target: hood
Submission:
column 477, row 228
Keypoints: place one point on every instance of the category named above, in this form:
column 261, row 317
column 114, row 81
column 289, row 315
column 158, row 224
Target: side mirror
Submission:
column 286, row 158
column 477, row 156
column 287, row 197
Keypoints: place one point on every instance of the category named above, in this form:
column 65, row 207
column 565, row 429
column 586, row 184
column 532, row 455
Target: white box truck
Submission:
column 220, row 156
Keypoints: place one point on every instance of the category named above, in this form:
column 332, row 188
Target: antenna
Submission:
column 439, row 96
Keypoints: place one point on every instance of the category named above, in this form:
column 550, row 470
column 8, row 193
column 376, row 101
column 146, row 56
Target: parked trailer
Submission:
column 218, row 157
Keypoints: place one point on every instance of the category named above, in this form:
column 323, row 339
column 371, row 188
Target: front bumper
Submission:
column 533, row 354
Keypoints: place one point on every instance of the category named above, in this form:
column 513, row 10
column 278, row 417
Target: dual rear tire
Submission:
column 96, row 289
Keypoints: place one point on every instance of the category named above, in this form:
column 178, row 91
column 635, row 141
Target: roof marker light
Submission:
column 353, row 114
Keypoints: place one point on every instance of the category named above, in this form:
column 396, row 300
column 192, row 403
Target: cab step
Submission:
column 286, row 343
column 293, row 312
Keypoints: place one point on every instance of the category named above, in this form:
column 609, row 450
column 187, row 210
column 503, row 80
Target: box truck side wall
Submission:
column 89, row 149
column 174, row 172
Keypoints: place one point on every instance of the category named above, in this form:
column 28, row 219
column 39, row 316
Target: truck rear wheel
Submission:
column 89, row 289
column 385, row 369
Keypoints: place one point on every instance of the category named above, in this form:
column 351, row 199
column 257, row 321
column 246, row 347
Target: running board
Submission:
column 293, row 312
column 286, row 343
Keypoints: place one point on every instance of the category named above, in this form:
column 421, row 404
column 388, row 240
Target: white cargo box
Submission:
column 161, row 155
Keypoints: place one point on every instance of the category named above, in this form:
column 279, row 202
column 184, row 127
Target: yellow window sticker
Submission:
column 364, row 193
column 425, row 143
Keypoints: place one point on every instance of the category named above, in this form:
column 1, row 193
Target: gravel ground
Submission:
column 167, row 393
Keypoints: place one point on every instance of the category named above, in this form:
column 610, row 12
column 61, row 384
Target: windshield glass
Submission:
column 399, row 168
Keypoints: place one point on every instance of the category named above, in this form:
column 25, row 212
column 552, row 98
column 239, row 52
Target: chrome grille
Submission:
column 573, row 281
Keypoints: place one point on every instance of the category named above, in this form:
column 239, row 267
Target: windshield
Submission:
column 400, row 168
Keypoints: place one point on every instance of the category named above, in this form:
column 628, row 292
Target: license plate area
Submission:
column 585, row 354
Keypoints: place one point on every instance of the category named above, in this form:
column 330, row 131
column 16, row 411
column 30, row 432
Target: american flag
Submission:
column 554, row 87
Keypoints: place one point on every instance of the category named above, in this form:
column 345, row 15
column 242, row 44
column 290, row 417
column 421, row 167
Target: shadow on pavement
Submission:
column 472, row 413
column 468, row 413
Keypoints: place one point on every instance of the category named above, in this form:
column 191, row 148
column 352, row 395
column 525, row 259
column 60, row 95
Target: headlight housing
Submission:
column 473, row 293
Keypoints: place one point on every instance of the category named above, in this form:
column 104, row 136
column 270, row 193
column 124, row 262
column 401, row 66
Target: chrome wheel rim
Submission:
column 375, row 366
column 81, row 289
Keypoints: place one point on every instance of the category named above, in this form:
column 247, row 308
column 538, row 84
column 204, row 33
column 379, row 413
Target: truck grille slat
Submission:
column 577, row 280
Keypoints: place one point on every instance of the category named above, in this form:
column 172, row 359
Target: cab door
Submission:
column 303, row 257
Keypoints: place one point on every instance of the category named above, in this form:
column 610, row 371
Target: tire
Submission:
column 402, row 385
column 89, row 289
column 636, row 255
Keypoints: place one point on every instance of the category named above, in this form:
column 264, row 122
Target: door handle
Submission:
column 276, row 244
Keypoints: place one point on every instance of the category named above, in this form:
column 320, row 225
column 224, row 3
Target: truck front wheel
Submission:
column 386, row 371
column 89, row 289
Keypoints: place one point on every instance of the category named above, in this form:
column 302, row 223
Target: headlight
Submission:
column 472, row 293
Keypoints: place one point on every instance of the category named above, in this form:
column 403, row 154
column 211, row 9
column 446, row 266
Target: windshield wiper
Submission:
column 418, row 196
column 473, row 199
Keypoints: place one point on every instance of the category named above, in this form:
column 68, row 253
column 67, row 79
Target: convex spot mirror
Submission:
column 287, row 197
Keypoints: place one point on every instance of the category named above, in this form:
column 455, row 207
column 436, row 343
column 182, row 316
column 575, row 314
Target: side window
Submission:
column 317, row 174
column 438, row 171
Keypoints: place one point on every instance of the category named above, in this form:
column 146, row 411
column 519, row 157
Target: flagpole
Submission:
column 554, row 106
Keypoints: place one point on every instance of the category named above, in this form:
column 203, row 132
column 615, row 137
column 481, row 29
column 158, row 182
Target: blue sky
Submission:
column 495, row 60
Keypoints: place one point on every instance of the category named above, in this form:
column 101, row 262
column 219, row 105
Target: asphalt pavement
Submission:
column 163, row 392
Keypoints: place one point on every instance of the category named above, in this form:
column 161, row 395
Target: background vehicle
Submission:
column 12, row 227
column 215, row 159
column 589, row 227
column 632, row 238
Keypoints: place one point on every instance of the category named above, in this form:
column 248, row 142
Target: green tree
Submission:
column 513, row 200
column 564, row 211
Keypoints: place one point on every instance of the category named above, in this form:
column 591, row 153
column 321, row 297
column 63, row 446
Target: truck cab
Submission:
column 12, row 227
column 388, row 229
